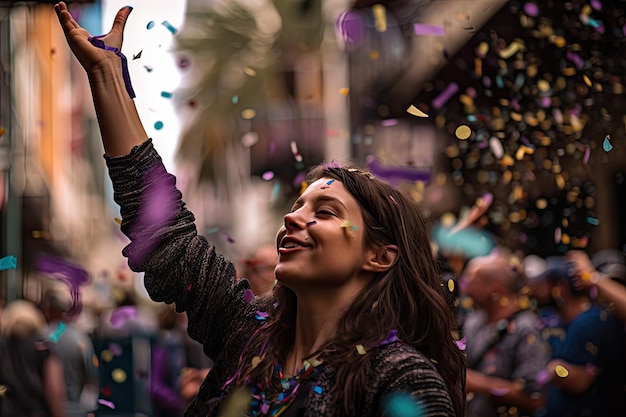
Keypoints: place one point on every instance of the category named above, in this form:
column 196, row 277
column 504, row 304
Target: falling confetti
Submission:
column 169, row 27
column 150, row 25
column 295, row 152
column 415, row 111
column 423, row 29
column 137, row 55
column 158, row 125
column 8, row 262
column 121, row 315
column 606, row 145
column 561, row 371
column 106, row 403
column 380, row 17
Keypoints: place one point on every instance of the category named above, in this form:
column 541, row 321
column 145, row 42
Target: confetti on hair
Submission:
column 295, row 152
column 58, row 332
column 606, row 145
column 451, row 285
column 261, row 315
column 423, row 29
column 169, row 27
column 361, row 349
column 118, row 220
column 248, row 295
column 415, row 111
column 380, row 17
column 318, row 390
column 106, row 403
column 121, row 315
column 8, row 262
column 461, row 344
column 393, row 200
column 392, row 336
column 403, row 405
column 347, row 224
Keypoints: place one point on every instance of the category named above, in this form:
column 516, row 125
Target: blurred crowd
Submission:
column 544, row 337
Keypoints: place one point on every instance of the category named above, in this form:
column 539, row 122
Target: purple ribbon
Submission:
column 97, row 42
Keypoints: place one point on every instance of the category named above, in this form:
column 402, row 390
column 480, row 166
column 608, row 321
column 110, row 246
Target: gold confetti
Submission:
column 249, row 72
column 380, row 17
column 415, row 111
column 344, row 91
column 255, row 361
column 118, row 375
column 361, row 349
column 2, row 131
column 348, row 224
column 106, row 355
column 248, row 114
column 463, row 132
column 451, row 285
column 561, row 371
column 118, row 220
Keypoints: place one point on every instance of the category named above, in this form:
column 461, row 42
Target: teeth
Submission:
column 290, row 245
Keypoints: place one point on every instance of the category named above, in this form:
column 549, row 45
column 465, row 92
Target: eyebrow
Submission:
column 321, row 198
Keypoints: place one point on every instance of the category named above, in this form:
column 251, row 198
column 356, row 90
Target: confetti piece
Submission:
column 121, row 315
column 150, row 25
column 58, row 332
column 380, row 17
column 118, row 220
column 261, row 315
column 317, row 389
column 8, row 262
column 267, row 176
column 461, row 344
column 423, row 29
column 248, row 114
column 106, row 403
column 499, row 392
column 593, row 221
column 248, row 296
column 531, row 9
column 348, row 224
column 294, row 151
column 361, row 350
column 166, row 94
column 118, row 375
column 451, row 285
column 115, row 349
column 169, row 27
column 561, row 371
column 137, row 55
column 445, row 95
column 415, row 111
column 158, row 125
column 234, row 99
column 403, row 405
column 463, row 132
column 344, row 91
column 256, row 361
column 2, row 131
column 509, row 51
column 249, row 139
column 586, row 155
column 606, row 145
column 389, row 122
column 249, row 72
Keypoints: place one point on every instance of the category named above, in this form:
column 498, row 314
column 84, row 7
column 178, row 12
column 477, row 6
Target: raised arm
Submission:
column 119, row 122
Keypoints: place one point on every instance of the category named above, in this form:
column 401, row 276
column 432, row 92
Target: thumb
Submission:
column 120, row 20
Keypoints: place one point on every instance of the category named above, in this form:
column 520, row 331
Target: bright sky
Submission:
column 155, row 74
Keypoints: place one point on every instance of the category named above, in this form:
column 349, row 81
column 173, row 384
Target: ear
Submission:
column 381, row 259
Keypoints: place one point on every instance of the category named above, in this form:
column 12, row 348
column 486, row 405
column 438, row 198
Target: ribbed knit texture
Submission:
column 182, row 267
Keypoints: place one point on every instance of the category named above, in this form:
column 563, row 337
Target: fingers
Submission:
column 120, row 20
column 65, row 18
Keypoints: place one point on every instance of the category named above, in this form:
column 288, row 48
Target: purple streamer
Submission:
column 445, row 95
column 71, row 275
column 393, row 175
column 423, row 29
column 97, row 42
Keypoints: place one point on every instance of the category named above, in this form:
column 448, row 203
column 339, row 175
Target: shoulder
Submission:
column 402, row 369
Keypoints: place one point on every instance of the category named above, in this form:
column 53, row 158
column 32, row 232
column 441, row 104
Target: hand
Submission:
column 90, row 56
column 583, row 269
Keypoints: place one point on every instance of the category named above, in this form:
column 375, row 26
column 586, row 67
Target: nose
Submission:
column 293, row 221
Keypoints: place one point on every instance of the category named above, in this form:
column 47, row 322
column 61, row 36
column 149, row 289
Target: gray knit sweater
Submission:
column 182, row 267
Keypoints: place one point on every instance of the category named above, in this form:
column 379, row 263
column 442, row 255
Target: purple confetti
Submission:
column 531, row 9
column 424, row 29
column 543, row 377
column 445, row 95
column 587, row 154
column 115, row 349
column 392, row 336
column 461, row 344
column 575, row 58
column 121, row 315
column 389, row 122
column 349, row 27
column 106, row 403
column 499, row 392
column 248, row 295
column 261, row 315
column 596, row 4
column 394, row 175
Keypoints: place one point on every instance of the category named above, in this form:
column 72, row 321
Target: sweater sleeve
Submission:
column 180, row 266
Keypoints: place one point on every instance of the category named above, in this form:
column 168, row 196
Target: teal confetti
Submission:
column 235, row 99
column 606, row 145
column 158, row 125
column 166, row 94
column 593, row 221
column 150, row 25
column 318, row 389
column 403, row 405
column 169, row 27
column 56, row 335
column 8, row 262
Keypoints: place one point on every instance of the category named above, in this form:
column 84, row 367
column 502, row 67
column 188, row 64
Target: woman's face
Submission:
column 322, row 241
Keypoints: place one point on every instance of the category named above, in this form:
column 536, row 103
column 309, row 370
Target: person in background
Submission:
column 607, row 280
column 586, row 374
column 76, row 351
column 31, row 376
column 259, row 270
column 505, row 350
column 359, row 321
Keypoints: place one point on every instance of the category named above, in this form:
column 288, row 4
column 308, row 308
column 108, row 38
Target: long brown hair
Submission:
column 408, row 297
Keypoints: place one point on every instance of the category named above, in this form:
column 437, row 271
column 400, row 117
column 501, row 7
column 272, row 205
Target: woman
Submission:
column 358, row 325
